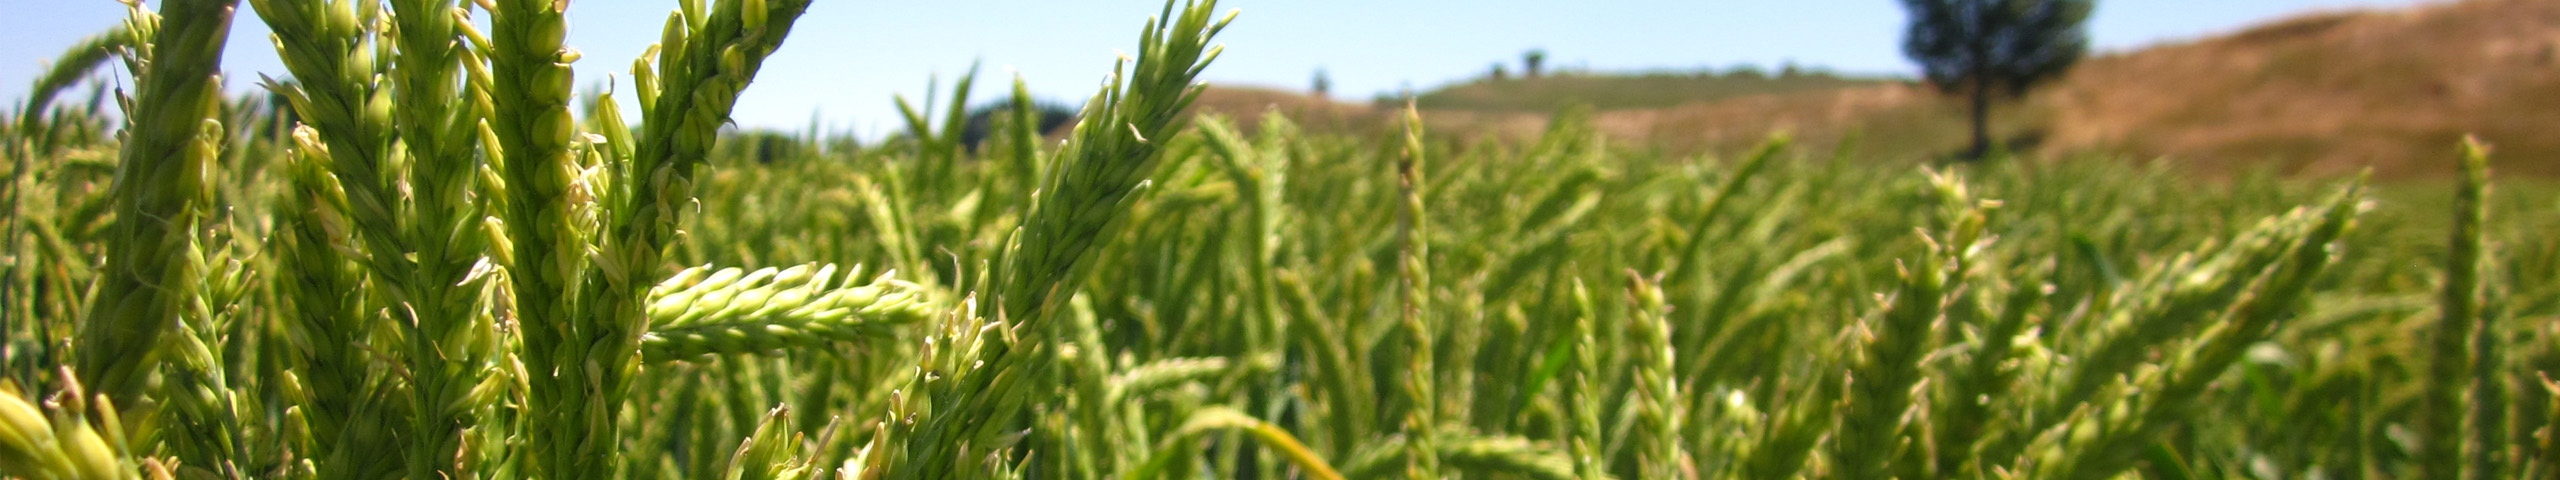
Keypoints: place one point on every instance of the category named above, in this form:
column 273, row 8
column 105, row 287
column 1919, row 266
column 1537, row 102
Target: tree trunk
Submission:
column 1981, row 119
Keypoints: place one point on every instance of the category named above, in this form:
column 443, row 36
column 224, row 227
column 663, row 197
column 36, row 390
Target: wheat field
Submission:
column 355, row 277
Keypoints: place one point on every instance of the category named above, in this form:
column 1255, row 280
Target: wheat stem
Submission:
column 171, row 140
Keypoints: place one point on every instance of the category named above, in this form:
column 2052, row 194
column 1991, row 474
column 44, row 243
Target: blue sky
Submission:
column 847, row 58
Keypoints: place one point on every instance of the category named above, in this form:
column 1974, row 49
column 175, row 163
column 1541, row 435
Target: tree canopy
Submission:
column 1994, row 48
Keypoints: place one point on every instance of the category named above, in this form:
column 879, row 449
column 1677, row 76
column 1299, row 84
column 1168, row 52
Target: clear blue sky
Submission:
column 846, row 58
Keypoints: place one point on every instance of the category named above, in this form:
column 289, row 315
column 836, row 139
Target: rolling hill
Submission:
column 1550, row 93
column 2318, row 95
column 2331, row 93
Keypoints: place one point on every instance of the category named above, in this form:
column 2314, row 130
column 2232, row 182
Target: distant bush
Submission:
column 981, row 122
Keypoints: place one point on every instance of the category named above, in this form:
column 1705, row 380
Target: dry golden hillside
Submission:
column 2318, row 95
column 2332, row 93
column 1246, row 105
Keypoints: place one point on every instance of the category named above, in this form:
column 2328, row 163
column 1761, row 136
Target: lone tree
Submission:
column 1994, row 49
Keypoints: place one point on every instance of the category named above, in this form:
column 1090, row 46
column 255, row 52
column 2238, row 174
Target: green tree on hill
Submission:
column 1994, row 49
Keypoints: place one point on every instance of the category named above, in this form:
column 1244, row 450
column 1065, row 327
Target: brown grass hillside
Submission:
column 2319, row 95
column 1909, row 118
column 2332, row 93
column 1553, row 92
column 1246, row 105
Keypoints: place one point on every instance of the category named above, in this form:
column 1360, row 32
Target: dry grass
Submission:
column 2331, row 93
column 2323, row 95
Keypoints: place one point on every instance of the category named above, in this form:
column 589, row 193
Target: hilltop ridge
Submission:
column 2322, row 94
column 2330, row 93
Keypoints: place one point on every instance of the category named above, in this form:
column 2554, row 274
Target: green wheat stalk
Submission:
column 2106, row 437
column 74, row 65
column 1657, row 393
column 171, row 138
column 2467, row 342
column 1582, row 400
column 1215, row 419
column 1096, row 442
column 1484, row 454
column 348, row 403
column 1872, row 430
column 417, row 221
column 1695, row 244
column 547, row 194
column 1413, row 271
column 450, row 346
column 1161, row 374
column 81, row 439
column 2547, row 437
column 704, row 62
column 1260, row 180
column 1346, row 395
column 701, row 312
column 2444, row 442
column 772, row 453
column 1112, row 151
column 1966, row 412
column 1108, row 159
